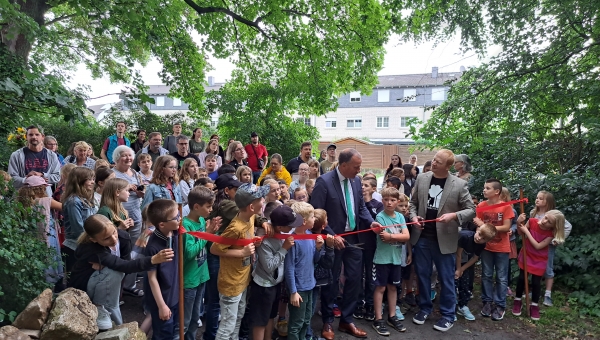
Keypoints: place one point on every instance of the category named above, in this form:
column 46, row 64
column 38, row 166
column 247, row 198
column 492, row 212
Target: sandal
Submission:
column 134, row 292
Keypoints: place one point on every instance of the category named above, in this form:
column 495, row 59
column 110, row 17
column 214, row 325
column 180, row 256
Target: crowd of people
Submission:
column 115, row 220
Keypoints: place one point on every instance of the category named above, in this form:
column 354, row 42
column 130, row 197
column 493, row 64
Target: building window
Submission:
column 214, row 122
column 330, row 122
column 354, row 123
column 160, row 101
column 410, row 95
column 405, row 121
column 307, row 121
column 176, row 101
column 438, row 93
column 383, row 122
column 383, row 96
column 354, row 97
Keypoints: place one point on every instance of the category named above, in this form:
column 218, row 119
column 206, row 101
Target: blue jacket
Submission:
column 155, row 192
column 327, row 195
column 112, row 145
column 75, row 212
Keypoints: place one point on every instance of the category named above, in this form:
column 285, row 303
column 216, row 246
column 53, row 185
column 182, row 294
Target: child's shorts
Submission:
column 264, row 303
column 386, row 274
column 406, row 272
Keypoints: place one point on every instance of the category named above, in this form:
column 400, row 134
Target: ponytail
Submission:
column 93, row 226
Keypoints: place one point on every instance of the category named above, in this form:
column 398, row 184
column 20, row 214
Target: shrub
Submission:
column 23, row 256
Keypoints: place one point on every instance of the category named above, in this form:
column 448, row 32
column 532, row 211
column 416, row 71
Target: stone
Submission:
column 115, row 334
column 73, row 316
column 32, row 333
column 34, row 316
column 12, row 333
column 135, row 333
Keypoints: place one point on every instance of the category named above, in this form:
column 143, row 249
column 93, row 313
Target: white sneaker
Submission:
column 103, row 319
column 199, row 323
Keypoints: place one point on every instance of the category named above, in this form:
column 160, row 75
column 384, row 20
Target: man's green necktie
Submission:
column 351, row 221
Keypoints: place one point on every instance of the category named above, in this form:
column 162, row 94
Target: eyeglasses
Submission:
column 302, row 169
column 183, row 144
column 177, row 218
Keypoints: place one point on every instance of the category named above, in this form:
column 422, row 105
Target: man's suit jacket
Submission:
column 455, row 199
column 327, row 195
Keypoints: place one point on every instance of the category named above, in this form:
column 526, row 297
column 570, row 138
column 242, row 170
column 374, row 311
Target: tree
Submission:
column 315, row 49
column 264, row 109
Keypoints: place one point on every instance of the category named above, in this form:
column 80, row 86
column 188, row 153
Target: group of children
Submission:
column 264, row 269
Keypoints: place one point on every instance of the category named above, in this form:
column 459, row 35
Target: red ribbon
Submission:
column 244, row 242
column 503, row 204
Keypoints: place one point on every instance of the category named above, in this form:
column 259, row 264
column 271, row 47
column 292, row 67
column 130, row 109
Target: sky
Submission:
column 400, row 58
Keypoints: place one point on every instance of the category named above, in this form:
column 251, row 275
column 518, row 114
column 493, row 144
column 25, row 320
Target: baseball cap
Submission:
column 254, row 134
column 284, row 216
column 247, row 193
column 331, row 146
column 226, row 181
column 35, row 181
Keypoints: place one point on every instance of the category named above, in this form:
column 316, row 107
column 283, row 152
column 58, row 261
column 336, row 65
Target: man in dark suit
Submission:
column 438, row 195
column 339, row 193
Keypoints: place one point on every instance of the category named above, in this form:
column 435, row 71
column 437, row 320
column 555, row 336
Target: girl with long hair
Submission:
column 165, row 181
column 188, row 174
column 116, row 192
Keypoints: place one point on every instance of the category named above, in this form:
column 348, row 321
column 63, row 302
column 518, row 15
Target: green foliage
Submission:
column 264, row 109
column 24, row 257
column 26, row 91
column 312, row 49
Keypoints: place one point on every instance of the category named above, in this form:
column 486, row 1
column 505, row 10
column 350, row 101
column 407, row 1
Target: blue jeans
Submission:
column 490, row 262
column 192, row 308
column 316, row 293
column 101, row 290
column 212, row 298
column 427, row 252
column 550, row 264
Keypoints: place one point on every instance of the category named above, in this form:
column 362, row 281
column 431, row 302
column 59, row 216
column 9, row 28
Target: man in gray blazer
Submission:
column 438, row 195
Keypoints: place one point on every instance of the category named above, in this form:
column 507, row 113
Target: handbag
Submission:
column 259, row 161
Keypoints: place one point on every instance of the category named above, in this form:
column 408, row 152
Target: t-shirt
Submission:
column 496, row 216
column 326, row 166
column 436, row 189
column 120, row 141
column 299, row 268
column 213, row 175
column 389, row 253
column 36, row 161
column 261, row 153
column 466, row 241
column 536, row 258
column 180, row 159
column 197, row 147
column 195, row 268
column 105, row 211
column 167, row 273
column 234, row 272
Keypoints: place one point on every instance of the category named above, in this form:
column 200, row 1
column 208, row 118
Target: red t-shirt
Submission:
column 261, row 152
column 120, row 141
column 497, row 216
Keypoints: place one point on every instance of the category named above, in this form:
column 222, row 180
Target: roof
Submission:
column 351, row 140
column 164, row 89
column 393, row 141
column 415, row 80
column 99, row 109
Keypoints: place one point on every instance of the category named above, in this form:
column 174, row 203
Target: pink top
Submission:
column 536, row 258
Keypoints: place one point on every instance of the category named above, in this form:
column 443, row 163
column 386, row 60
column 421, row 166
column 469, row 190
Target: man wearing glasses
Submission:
column 183, row 151
column 154, row 149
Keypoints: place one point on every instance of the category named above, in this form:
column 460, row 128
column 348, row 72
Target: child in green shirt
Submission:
column 195, row 268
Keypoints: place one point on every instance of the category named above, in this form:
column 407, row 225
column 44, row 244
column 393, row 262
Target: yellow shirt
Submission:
column 282, row 174
column 234, row 272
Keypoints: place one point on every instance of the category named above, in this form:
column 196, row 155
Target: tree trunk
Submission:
column 14, row 39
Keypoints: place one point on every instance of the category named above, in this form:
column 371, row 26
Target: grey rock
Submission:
column 135, row 333
column 36, row 313
column 73, row 316
column 12, row 333
column 115, row 334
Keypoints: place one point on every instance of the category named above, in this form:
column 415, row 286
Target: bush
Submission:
column 23, row 256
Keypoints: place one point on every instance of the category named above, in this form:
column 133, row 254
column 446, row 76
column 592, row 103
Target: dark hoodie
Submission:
column 95, row 253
